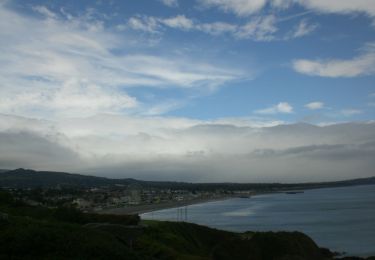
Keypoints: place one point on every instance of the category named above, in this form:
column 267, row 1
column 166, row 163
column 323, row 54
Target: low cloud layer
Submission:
column 190, row 150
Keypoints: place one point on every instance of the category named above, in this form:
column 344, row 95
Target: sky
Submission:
column 189, row 90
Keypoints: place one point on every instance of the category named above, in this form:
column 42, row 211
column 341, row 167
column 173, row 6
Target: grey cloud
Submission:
column 29, row 150
column 162, row 148
column 324, row 152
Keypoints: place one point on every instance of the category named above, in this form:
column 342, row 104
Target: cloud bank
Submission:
column 161, row 148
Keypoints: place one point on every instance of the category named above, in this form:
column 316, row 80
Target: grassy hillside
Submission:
column 39, row 233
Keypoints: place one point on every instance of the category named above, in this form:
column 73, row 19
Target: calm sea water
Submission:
column 342, row 219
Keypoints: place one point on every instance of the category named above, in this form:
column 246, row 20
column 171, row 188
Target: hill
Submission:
column 25, row 178
column 63, row 233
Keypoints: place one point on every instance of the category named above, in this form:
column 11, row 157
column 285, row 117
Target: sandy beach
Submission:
column 139, row 209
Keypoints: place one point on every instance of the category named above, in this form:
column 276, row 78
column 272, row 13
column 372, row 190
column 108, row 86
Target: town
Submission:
column 98, row 199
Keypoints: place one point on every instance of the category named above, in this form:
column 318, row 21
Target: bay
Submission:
column 341, row 219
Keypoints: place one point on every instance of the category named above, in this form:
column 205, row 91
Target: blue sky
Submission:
column 157, row 71
column 258, row 61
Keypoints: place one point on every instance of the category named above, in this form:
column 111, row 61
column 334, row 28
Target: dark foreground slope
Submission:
column 28, row 232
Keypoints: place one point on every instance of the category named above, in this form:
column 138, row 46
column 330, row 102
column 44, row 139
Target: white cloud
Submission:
column 260, row 28
column 238, row 7
column 170, row 3
column 303, row 29
column 71, row 98
column 147, row 24
column 253, row 122
column 152, row 24
column 163, row 107
column 351, row 112
column 217, row 28
column 249, row 7
column 282, row 107
column 340, row 6
column 257, row 28
column 315, row 105
column 44, row 11
column 281, row 4
column 54, row 66
column 345, row 7
column 361, row 65
column 243, row 8
column 179, row 21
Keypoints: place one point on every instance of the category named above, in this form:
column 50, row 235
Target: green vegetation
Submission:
column 60, row 214
column 187, row 239
column 28, row 232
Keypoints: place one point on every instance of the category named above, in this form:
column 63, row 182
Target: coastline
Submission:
column 140, row 209
column 146, row 208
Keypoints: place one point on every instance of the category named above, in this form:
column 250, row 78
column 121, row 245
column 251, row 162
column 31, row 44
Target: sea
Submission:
column 341, row 219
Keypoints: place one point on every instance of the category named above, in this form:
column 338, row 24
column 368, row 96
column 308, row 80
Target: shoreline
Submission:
column 140, row 209
column 146, row 208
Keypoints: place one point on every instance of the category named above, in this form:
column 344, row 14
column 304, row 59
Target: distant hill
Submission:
column 25, row 178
